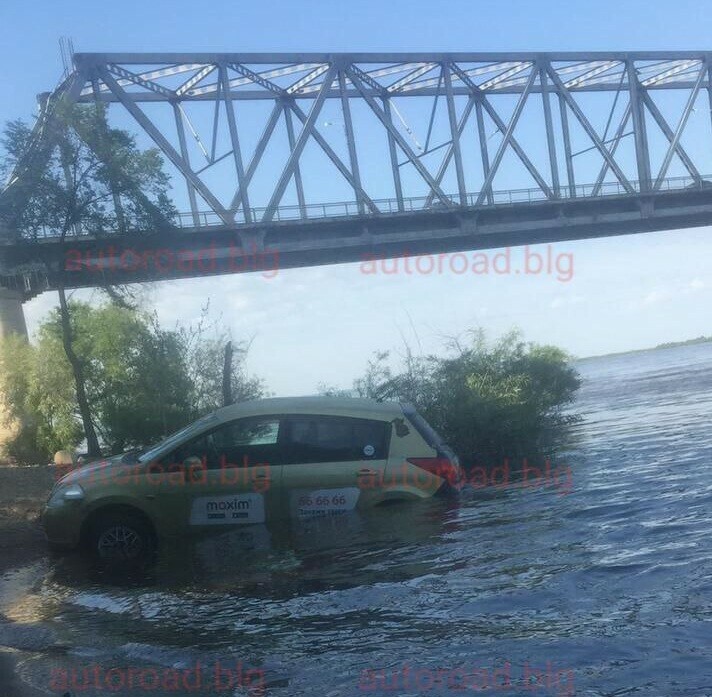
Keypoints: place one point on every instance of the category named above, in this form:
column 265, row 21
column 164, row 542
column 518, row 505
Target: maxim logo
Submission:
column 234, row 505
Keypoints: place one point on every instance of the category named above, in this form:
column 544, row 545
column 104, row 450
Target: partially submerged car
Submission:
column 250, row 463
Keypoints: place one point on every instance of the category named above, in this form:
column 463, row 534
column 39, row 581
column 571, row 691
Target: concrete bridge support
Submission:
column 12, row 318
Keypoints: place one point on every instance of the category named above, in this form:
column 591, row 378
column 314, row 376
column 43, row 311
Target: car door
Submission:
column 233, row 473
column 159, row 481
column 332, row 464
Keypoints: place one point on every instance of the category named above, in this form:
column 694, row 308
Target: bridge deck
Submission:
column 32, row 266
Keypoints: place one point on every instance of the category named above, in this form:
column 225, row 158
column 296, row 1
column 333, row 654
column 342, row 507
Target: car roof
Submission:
column 339, row 406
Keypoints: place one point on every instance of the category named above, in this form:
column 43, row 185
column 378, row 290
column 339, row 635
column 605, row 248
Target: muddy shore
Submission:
column 23, row 492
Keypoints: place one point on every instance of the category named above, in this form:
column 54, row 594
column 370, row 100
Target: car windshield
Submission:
column 131, row 457
column 176, row 438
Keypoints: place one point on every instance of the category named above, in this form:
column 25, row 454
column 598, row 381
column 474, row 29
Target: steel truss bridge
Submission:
column 327, row 158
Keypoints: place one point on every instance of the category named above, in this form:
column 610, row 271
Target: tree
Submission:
column 142, row 381
column 204, row 344
column 136, row 377
column 93, row 180
column 38, row 400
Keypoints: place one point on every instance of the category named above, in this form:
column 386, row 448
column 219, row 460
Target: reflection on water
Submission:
column 605, row 590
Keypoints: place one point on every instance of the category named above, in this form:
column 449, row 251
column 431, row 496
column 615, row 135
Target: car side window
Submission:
column 194, row 452
column 247, row 442
column 313, row 439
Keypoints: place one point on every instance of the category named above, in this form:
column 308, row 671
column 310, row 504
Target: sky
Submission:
column 321, row 325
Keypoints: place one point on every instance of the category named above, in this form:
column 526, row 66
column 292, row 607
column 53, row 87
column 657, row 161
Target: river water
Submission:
column 595, row 582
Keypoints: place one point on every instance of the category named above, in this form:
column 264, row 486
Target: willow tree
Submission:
column 82, row 179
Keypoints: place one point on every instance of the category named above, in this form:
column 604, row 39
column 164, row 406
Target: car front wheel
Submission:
column 120, row 537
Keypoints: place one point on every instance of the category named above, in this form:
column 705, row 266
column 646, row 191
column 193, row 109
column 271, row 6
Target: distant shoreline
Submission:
column 666, row 345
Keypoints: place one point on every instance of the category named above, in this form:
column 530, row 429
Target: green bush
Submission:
column 37, row 395
column 490, row 402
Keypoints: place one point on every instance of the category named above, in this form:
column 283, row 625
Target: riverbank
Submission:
column 660, row 347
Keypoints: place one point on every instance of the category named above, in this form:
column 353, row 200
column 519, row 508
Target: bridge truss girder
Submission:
column 574, row 124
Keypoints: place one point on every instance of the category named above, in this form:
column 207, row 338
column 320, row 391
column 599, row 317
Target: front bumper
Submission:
column 62, row 525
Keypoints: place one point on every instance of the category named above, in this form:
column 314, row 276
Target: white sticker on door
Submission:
column 307, row 503
column 233, row 509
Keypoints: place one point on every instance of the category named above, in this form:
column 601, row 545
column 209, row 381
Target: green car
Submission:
column 248, row 464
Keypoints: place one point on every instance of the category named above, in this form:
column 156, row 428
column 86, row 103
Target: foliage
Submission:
column 38, row 407
column 93, row 180
column 142, row 381
column 74, row 175
column 204, row 344
column 135, row 376
column 491, row 402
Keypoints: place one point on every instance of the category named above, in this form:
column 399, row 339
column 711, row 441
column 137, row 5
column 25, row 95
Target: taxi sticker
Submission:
column 311, row 503
column 233, row 509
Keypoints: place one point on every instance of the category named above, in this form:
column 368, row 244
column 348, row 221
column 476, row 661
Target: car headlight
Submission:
column 64, row 494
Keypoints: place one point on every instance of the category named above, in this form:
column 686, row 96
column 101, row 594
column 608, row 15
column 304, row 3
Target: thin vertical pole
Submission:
column 484, row 151
column 551, row 143
column 641, row 138
column 394, row 156
column 454, row 134
column 567, row 147
column 236, row 153
column 184, row 154
column 350, row 141
column 297, row 169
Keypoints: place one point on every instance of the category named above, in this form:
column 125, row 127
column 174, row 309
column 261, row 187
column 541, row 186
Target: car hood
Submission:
column 93, row 470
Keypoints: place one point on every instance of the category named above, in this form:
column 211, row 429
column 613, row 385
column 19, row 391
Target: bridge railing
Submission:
column 346, row 209
column 352, row 209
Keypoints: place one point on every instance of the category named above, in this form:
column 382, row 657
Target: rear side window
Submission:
column 335, row 439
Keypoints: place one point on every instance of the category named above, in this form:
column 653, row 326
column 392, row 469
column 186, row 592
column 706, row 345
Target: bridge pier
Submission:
column 12, row 318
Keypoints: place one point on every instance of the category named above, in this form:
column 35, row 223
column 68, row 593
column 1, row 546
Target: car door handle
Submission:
column 365, row 471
